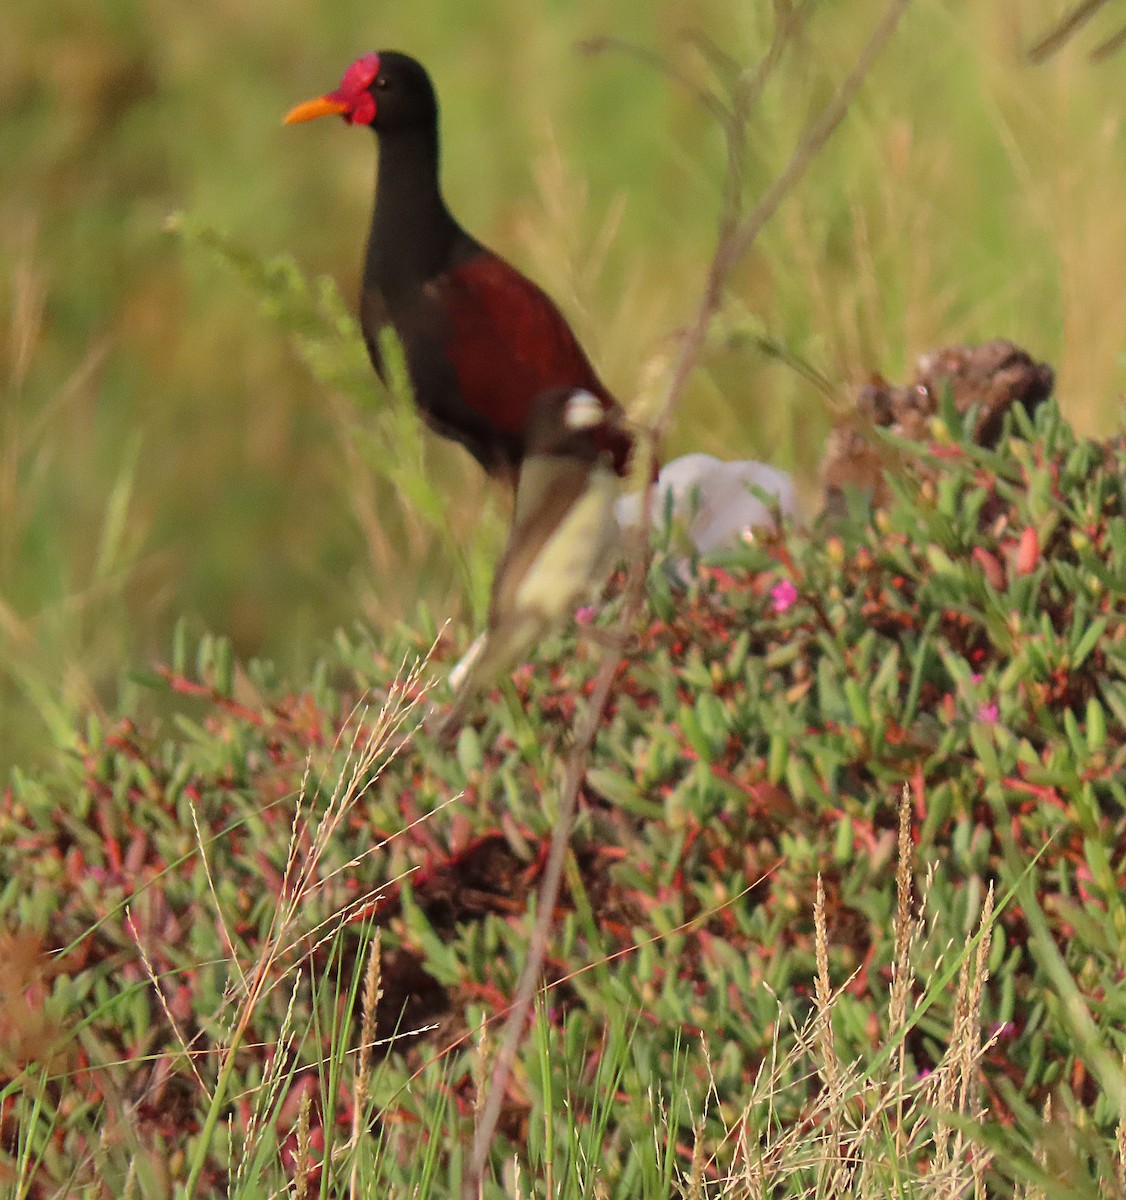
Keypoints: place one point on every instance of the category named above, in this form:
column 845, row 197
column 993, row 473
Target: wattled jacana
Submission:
column 482, row 341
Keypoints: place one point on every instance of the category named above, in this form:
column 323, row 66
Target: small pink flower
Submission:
column 585, row 615
column 783, row 595
column 988, row 713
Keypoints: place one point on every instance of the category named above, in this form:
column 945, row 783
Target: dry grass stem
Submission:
column 869, row 1135
column 906, row 931
column 830, row 1067
column 221, row 917
column 958, row 1087
column 303, row 1160
column 970, row 1049
column 370, row 746
column 694, row 1184
column 948, row 1072
column 979, row 1164
column 479, row 1065
column 266, row 1093
column 373, row 992
column 173, row 1024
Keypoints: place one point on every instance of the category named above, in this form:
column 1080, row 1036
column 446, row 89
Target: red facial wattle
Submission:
column 352, row 100
column 353, row 90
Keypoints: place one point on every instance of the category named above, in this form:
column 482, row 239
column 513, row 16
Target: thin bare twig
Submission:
column 734, row 238
column 1112, row 44
column 1069, row 24
column 528, row 982
column 788, row 22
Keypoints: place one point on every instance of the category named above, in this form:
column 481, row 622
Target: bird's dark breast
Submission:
column 482, row 342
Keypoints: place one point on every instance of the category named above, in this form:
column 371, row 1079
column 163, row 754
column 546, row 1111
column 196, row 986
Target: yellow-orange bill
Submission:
column 323, row 106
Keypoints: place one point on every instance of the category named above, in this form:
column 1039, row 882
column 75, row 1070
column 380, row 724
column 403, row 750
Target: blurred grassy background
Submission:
column 164, row 453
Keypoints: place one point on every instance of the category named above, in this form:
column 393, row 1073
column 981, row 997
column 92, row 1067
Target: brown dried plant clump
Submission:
column 991, row 378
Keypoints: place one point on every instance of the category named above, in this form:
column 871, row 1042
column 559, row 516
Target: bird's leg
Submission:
column 445, row 727
column 460, row 670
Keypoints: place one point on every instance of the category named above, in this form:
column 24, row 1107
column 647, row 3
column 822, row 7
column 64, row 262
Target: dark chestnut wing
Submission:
column 482, row 342
column 508, row 342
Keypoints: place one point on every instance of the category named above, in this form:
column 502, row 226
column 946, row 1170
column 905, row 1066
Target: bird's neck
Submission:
column 412, row 230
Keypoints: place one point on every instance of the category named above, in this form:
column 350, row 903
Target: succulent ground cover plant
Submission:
column 210, row 885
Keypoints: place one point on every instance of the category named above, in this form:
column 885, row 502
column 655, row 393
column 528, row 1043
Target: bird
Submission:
column 562, row 544
column 711, row 501
column 481, row 340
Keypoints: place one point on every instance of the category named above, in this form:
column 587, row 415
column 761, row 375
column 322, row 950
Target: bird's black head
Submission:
column 388, row 91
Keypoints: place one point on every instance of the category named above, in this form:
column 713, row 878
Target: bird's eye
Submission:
column 381, row 82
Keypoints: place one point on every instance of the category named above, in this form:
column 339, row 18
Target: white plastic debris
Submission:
column 711, row 499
